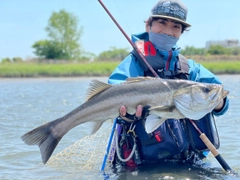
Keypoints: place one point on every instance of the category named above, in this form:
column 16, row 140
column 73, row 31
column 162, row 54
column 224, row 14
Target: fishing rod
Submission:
column 129, row 40
column 213, row 150
column 202, row 136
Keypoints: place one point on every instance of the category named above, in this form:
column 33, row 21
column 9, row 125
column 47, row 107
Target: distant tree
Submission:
column 218, row 50
column 17, row 59
column 6, row 60
column 113, row 54
column 14, row 59
column 87, row 56
column 235, row 51
column 64, row 35
column 48, row 50
column 190, row 50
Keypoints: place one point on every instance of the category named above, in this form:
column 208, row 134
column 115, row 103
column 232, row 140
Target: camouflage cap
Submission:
column 171, row 9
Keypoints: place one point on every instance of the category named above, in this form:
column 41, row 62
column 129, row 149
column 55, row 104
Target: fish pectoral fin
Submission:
column 153, row 122
column 95, row 126
column 96, row 87
column 162, row 108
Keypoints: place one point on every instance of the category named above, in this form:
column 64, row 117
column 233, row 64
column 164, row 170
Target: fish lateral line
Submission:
column 162, row 108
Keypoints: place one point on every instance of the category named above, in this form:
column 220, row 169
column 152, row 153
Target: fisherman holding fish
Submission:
column 154, row 114
column 174, row 139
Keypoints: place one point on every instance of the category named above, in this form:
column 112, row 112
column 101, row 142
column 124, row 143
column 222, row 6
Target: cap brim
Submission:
column 175, row 19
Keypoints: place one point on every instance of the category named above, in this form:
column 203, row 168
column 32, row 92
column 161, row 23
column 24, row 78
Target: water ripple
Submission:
column 28, row 103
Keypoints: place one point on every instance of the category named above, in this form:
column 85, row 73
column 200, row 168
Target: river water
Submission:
column 28, row 103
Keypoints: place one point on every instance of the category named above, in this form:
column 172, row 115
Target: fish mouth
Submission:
column 223, row 94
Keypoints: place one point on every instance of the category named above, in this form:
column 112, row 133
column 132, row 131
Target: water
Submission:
column 28, row 103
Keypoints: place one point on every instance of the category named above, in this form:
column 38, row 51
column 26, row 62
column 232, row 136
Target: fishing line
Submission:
column 123, row 17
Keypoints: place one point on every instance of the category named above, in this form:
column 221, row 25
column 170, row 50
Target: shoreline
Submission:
column 74, row 78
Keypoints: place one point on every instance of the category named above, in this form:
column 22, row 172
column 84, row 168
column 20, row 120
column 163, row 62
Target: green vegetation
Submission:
column 8, row 60
column 56, row 70
column 64, row 35
column 223, row 67
column 213, row 50
column 113, row 54
column 35, row 69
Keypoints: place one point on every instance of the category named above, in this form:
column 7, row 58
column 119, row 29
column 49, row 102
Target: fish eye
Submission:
column 206, row 89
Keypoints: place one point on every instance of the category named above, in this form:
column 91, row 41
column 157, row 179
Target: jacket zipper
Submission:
column 168, row 60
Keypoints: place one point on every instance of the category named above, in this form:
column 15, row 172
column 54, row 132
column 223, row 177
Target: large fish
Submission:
column 167, row 99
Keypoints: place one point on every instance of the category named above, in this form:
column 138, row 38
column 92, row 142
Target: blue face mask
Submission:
column 162, row 41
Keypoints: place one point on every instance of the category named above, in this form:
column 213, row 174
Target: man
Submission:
column 174, row 139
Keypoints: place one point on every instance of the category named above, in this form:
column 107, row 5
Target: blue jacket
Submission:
column 130, row 67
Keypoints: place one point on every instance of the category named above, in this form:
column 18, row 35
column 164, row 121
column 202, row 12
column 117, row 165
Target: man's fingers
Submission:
column 139, row 111
column 128, row 117
column 123, row 111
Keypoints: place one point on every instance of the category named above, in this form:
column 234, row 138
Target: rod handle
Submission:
column 214, row 151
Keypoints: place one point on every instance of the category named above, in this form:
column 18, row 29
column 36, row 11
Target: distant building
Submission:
column 229, row 43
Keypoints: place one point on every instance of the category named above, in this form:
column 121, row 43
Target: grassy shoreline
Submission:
column 34, row 69
column 56, row 70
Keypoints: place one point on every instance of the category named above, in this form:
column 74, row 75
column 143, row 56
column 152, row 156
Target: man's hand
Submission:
column 219, row 106
column 123, row 112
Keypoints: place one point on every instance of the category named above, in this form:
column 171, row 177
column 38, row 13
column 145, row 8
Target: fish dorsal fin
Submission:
column 96, row 87
column 138, row 79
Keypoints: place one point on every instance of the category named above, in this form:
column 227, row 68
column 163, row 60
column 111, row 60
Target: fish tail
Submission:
column 44, row 137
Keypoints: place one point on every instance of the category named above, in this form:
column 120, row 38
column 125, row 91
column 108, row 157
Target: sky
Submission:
column 23, row 22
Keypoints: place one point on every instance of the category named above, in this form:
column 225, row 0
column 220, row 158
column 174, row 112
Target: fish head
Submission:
column 195, row 100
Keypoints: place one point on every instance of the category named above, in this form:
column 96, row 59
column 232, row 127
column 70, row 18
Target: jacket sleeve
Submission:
column 129, row 67
column 199, row 73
